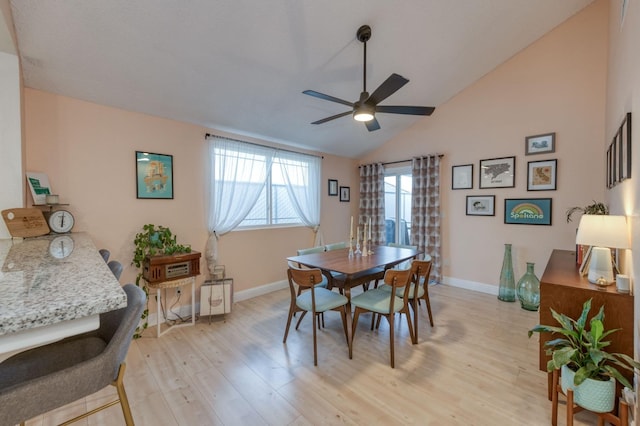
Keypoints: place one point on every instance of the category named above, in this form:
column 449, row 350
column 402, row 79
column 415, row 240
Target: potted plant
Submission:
column 152, row 241
column 584, row 363
column 595, row 208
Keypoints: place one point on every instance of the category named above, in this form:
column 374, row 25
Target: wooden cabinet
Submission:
column 563, row 289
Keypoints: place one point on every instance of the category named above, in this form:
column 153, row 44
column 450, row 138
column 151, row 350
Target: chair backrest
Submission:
column 116, row 268
column 397, row 278
column 407, row 246
column 318, row 249
column 420, row 270
column 105, row 254
column 306, row 278
column 335, row 246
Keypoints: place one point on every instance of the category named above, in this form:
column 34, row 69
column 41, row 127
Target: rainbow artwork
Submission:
column 531, row 211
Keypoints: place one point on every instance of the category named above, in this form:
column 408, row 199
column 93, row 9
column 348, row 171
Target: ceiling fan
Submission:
column 367, row 106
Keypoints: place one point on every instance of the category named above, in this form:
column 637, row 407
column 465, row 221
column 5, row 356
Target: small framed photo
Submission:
column 333, row 187
column 624, row 148
column 484, row 205
column 345, row 193
column 462, row 177
column 498, row 172
column 540, row 144
column 541, row 175
column 527, row 211
column 154, row 175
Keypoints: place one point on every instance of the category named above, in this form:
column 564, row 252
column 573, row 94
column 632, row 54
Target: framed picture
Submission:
column 345, row 193
column 527, row 211
column 540, row 144
column 541, row 175
column 154, row 175
column 462, row 177
column 484, row 205
column 333, row 187
column 624, row 148
column 498, row 172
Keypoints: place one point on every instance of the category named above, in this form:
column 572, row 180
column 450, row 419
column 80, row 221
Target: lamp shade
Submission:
column 603, row 231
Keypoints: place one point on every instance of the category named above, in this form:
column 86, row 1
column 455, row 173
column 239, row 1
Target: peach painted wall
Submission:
column 557, row 84
column 87, row 150
column 623, row 95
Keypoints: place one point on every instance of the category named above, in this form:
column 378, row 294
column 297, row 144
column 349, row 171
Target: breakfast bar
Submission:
column 52, row 287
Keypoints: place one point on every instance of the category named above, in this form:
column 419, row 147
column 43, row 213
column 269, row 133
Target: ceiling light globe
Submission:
column 362, row 116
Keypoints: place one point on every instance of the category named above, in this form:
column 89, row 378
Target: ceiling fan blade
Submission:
column 327, row 97
column 409, row 110
column 387, row 88
column 333, row 117
column 372, row 124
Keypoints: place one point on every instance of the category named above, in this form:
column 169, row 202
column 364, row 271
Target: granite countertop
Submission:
column 54, row 278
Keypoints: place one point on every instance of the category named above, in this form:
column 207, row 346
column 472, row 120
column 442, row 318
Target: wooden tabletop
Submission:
column 339, row 261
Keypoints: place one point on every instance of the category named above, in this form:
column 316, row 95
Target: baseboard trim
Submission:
column 185, row 311
column 471, row 285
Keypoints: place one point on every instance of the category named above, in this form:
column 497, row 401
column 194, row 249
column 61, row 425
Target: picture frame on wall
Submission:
column 624, row 148
column 540, row 144
column 542, row 175
column 154, row 175
column 333, row 187
column 481, row 205
column 528, row 211
column 498, row 172
column 345, row 194
column 462, row 176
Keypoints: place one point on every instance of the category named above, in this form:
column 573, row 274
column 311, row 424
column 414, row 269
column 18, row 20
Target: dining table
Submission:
column 52, row 287
column 356, row 269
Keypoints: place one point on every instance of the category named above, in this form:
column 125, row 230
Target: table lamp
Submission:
column 602, row 232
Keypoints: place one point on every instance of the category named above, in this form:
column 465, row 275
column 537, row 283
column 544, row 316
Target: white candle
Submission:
column 369, row 227
column 364, row 234
column 357, row 235
column 351, row 230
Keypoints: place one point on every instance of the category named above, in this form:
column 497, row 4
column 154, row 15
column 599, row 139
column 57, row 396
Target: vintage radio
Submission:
column 171, row 267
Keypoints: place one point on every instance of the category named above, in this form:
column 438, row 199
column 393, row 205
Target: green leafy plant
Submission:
column 582, row 349
column 152, row 241
column 595, row 208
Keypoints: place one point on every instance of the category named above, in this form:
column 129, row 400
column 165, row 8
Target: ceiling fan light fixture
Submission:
column 363, row 113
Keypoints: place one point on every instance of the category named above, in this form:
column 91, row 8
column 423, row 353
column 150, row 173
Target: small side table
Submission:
column 163, row 285
column 216, row 297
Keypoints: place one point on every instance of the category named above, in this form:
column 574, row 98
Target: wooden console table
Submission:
column 563, row 289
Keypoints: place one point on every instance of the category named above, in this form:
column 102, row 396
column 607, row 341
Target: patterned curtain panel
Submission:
column 425, row 210
column 372, row 200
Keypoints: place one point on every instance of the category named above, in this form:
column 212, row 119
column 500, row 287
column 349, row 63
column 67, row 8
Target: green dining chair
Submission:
column 316, row 300
column 418, row 289
column 407, row 263
column 385, row 303
column 335, row 246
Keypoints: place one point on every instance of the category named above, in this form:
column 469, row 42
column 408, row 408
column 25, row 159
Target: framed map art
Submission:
column 498, row 173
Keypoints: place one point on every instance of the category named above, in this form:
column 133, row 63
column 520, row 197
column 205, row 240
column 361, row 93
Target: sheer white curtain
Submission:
column 236, row 168
column 302, row 179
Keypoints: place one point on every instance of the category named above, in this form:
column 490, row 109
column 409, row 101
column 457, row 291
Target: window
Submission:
column 397, row 205
column 258, row 186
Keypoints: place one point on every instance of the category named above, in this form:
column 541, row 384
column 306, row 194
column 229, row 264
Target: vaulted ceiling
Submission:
column 241, row 65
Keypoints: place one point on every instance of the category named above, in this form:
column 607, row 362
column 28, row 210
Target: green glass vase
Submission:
column 507, row 289
column 529, row 289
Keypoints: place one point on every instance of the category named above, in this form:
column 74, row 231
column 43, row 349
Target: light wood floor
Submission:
column 475, row 367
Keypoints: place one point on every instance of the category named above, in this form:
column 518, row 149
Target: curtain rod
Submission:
column 411, row 159
column 209, row 135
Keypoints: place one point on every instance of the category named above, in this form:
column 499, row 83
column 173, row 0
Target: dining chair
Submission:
column 407, row 263
column 48, row 377
column 116, row 268
column 324, row 284
column 418, row 289
column 316, row 300
column 105, row 254
column 386, row 303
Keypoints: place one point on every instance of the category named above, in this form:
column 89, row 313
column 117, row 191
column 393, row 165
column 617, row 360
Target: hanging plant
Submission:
column 595, row 208
column 152, row 241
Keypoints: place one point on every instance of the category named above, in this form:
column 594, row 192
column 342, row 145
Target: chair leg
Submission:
column 414, row 307
column 391, row 318
column 300, row 319
column 315, row 345
column 426, row 299
column 286, row 330
column 412, row 333
column 356, row 314
column 124, row 401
